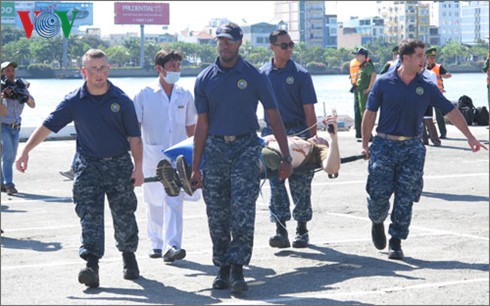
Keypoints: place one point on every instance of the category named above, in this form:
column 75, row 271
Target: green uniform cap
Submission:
column 431, row 51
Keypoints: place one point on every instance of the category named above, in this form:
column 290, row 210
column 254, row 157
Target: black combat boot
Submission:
column 90, row 274
column 222, row 281
column 395, row 249
column 130, row 268
column 302, row 238
column 238, row 284
column 280, row 239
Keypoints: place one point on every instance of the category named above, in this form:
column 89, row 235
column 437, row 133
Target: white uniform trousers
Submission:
column 163, row 213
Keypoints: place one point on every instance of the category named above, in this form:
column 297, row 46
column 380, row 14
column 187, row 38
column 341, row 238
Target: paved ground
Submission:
column 447, row 252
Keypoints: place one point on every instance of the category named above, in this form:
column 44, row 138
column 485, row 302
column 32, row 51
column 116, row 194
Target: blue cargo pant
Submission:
column 95, row 179
column 299, row 186
column 230, row 191
column 395, row 167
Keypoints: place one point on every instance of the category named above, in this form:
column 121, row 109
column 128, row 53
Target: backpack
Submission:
column 481, row 117
column 464, row 100
column 467, row 109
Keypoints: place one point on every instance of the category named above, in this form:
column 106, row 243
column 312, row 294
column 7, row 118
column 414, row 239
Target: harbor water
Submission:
column 332, row 92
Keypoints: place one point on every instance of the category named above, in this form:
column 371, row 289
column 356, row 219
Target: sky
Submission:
column 196, row 14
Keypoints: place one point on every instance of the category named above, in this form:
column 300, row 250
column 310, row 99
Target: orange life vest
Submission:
column 354, row 70
column 437, row 70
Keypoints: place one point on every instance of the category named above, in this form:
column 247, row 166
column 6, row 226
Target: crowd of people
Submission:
column 120, row 141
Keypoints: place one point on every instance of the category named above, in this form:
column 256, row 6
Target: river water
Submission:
column 332, row 92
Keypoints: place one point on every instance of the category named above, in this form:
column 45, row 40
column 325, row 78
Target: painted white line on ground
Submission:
column 434, row 231
column 313, row 295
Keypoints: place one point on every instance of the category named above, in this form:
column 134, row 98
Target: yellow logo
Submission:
column 419, row 90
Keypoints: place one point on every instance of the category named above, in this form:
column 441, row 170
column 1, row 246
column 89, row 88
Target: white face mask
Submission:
column 172, row 77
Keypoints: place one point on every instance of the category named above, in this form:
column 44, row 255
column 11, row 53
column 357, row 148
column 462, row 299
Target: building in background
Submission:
column 405, row 19
column 474, row 22
column 446, row 16
column 258, row 33
column 330, row 31
column 369, row 28
column 305, row 19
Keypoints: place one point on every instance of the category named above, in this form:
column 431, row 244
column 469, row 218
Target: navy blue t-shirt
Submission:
column 103, row 123
column 230, row 97
column 293, row 87
column 402, row 106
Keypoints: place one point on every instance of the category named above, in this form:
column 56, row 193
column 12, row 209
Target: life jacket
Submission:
column 354, row 70
column 437, row 70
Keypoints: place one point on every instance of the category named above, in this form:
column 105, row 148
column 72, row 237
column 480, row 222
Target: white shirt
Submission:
column 430, row 75
column 163, row 121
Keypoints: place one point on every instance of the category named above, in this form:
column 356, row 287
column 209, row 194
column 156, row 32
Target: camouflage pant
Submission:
column 299, row 186
column 395, row 167
column 230, row 191
column 95, row 178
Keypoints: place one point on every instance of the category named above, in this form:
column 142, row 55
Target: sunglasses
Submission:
column 285, row 46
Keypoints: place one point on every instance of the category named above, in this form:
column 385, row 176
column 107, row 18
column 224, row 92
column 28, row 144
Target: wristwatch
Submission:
column 287, row 159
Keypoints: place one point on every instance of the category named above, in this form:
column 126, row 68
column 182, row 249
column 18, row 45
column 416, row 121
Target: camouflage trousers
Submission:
column 94, row 179
column 299, row 186
column 230, row 191
column 395, row 167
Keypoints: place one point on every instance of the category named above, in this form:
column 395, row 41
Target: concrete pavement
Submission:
column 447, row 251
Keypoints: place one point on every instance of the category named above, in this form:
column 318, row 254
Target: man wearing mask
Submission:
column 13, row 102
column 167, row 115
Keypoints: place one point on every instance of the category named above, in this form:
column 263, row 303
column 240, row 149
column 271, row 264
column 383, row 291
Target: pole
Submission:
column 142, row 46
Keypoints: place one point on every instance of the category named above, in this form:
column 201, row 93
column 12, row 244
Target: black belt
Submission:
column 293, row 124
column 230, row 138
column 12, row 125
column 103, row 158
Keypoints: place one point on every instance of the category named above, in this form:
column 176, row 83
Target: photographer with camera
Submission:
column 14, row 97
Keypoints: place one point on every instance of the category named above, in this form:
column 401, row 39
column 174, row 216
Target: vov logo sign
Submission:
column 47, row 24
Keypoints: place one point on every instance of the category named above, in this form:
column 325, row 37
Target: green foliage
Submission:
column 316, row 67
column 16, row 47
column 41, row 71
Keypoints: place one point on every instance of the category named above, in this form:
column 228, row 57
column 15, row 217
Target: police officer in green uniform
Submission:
column 226, row 96
column 367, row 76
column 441, row 73
column 391, row 62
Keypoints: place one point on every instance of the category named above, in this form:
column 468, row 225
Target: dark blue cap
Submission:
column 229, row 30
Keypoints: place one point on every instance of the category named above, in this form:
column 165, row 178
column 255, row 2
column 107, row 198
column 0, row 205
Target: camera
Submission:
column 19, row 89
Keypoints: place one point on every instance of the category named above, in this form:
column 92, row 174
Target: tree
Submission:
column 118, row 55
column 10, row 34
column 132, row 44
column 450, row 53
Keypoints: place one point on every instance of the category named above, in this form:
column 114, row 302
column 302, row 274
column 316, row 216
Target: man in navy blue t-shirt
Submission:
column 104, row 118
column 226, row 96
column 296, row 98
column 397, row 154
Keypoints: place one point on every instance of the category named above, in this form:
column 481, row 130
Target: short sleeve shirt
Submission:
column 402, row 106
column 103, row 123
column 230, row 97
column 293, row 87
column 163, row 119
